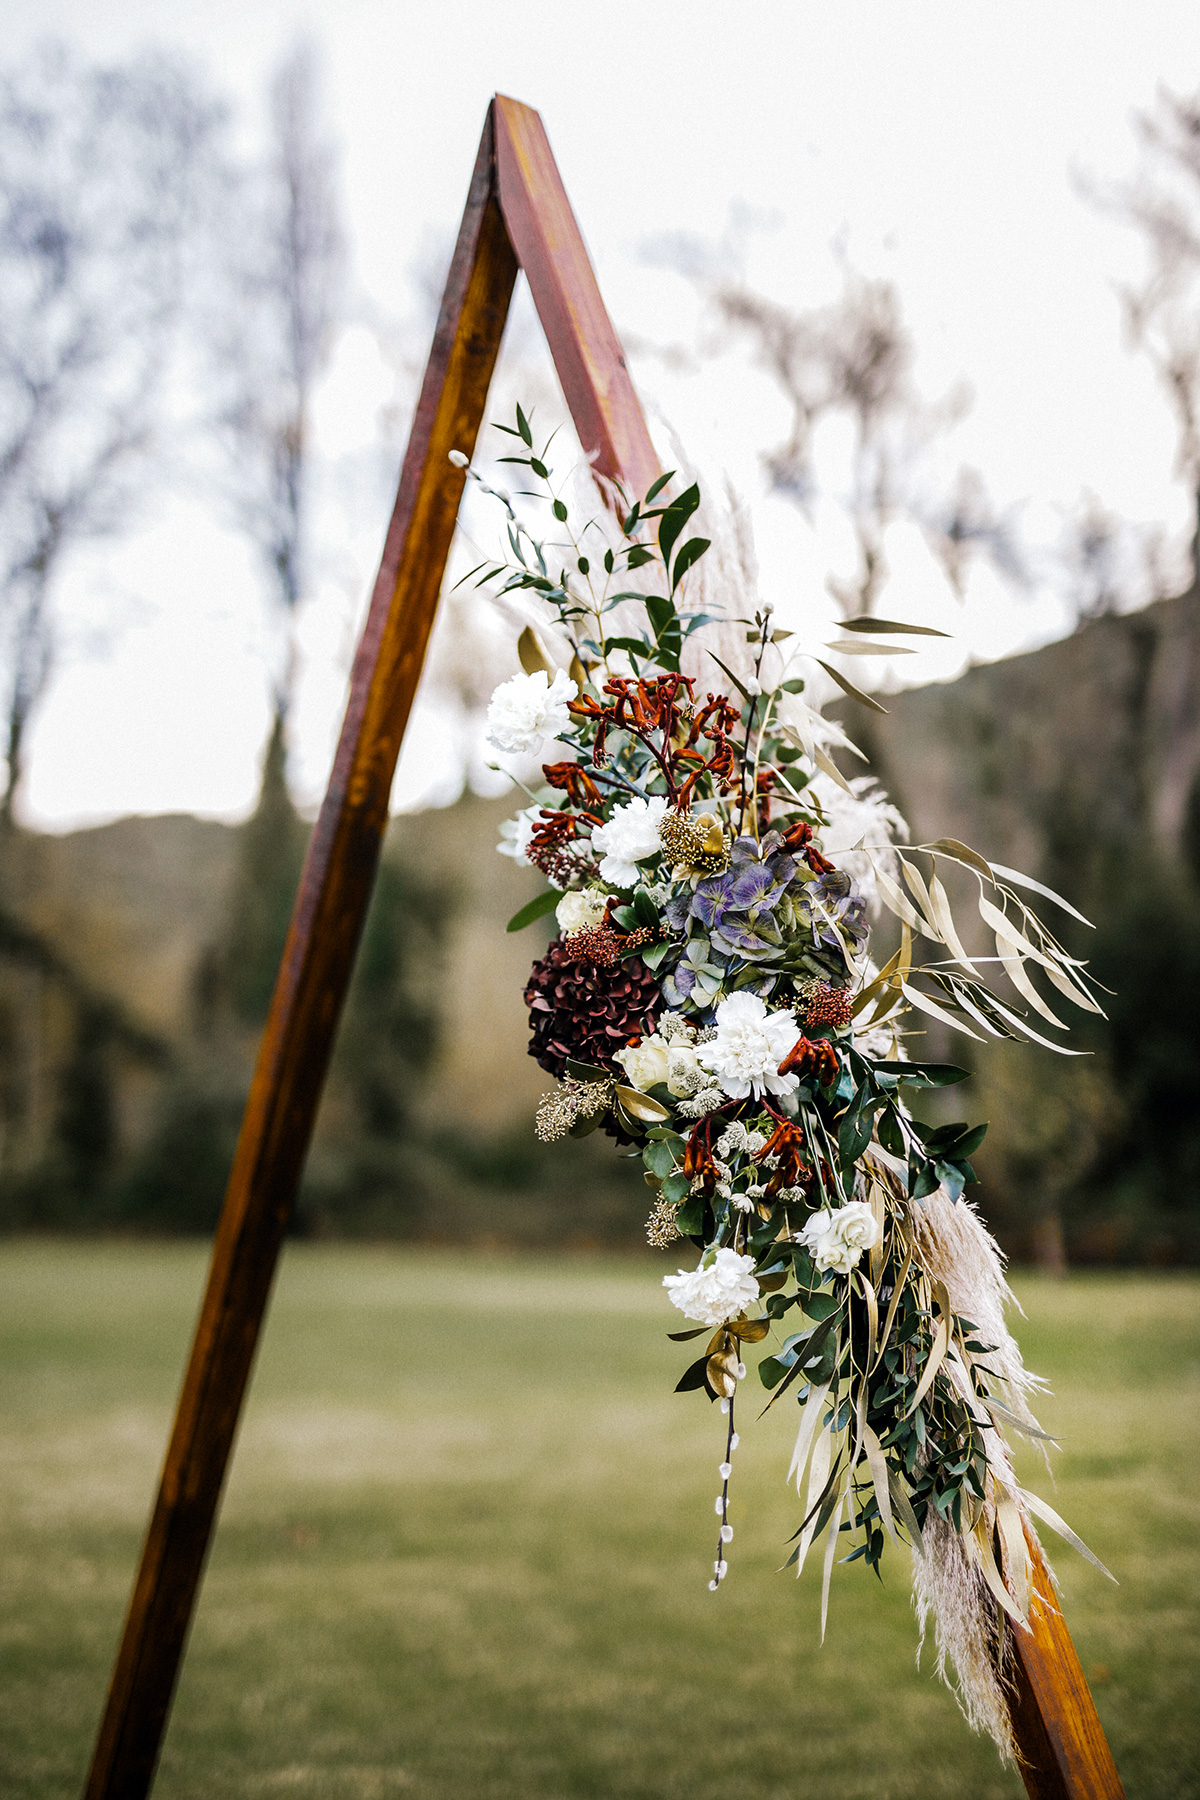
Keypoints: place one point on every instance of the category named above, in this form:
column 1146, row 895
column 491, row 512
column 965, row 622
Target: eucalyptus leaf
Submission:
column 536, row 909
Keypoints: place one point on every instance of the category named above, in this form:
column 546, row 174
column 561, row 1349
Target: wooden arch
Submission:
column 517, row 216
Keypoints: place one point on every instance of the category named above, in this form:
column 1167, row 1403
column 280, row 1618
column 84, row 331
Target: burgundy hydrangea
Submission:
column 586, row 1012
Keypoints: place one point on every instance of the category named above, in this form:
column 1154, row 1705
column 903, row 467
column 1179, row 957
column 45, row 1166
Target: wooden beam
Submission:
column 317, row 960
column 1064, row 1752
column 586, row 350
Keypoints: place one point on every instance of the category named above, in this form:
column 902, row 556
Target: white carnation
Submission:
column 629, row 837
column 517, row 834
column 644, row 1063
column 749, row 1046
column 527, row 710
column 719, row 1290
column 836, row 1240
column 577, row 910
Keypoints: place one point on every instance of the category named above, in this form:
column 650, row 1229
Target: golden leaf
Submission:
column 641, row 1106
column 531, row 653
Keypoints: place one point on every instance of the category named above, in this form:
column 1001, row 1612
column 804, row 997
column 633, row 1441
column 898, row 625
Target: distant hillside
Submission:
column 120, row 1073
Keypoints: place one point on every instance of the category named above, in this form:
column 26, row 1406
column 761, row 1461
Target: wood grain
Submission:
column 1064, row 1752
column 586, row 350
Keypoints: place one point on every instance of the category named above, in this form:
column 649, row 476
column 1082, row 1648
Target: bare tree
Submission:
column 102, row 169
column 1163, row 313
column 272, row 333
column 854, row 359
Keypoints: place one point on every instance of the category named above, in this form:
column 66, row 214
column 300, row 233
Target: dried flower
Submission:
column 662, row 1227
column 827, row 1005
column 584, row 1012
column 695, row 845
column 567, row 1104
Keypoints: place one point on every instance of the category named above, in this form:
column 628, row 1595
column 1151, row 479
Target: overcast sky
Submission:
column 940, row 143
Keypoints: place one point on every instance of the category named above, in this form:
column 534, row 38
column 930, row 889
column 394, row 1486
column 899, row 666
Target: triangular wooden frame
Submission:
column 517, row 216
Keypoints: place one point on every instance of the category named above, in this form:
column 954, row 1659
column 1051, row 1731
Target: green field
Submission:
column 465, row 1546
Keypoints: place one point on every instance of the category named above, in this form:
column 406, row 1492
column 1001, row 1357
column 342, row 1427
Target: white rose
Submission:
column 644, row 1063
column 577, row 910
column 836, row 1240
column 719, row 1290
column 629, row 837
column 516, row 834
column 527, row 710
column 749, row 1046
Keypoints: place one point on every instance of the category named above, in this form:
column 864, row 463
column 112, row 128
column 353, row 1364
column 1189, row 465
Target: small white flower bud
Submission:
column 719, row 1508
column 734, row 1441
column 724, row 1406
column 458, row 459
column 741, row 1371
column 727, row 1534
column 724, row 1470
column 722, row 1570
column 712, row 1587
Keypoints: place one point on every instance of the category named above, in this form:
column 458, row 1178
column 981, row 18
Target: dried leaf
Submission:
column 835, row 1525
column 879, row 1475
column 641, row 1106
column 926, row 1005
column 1049, row 1517
column 958, row 852
column 531, row 654
column 941, row 1343
column 848, row 687
column 945, row 923
column 1026, row 881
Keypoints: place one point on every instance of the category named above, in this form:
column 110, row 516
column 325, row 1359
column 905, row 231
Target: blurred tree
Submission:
column 104, row 171
column 275, row 307
column 853, row 360
column 1163, row 313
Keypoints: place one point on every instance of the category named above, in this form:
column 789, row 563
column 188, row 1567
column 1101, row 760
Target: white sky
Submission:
column 939, row 140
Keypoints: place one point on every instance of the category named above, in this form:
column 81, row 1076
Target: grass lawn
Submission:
column 466, row 1543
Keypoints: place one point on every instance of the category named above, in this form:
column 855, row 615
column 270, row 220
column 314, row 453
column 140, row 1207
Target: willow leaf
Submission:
column 1026, row 1030
column 941, row 1343
column 877, row 1463
column 1015, row 970
column 848, row 687
column 1027, row 881
column 926, row 1005
column 853, row 649
column 945, row 923
column 1049, row 1517
column 835, row 1525
column 959, row 852
column 880, row 627
column 826, row 763
column 903, row 1507
column 896, row 900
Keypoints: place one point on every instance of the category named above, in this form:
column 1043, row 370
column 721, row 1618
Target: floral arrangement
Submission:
column 711, row 1002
